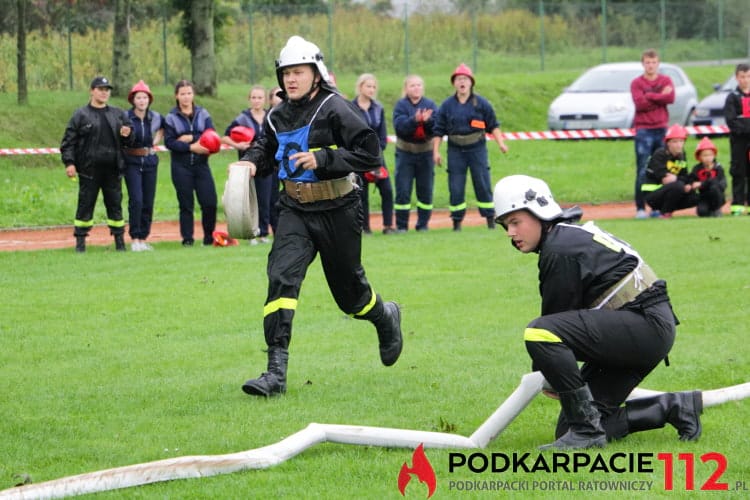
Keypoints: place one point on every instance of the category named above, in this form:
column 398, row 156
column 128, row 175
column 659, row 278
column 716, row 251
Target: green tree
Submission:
column 197, row 34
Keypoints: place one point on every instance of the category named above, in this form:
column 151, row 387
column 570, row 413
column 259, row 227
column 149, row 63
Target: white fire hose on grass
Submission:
column 268, row 456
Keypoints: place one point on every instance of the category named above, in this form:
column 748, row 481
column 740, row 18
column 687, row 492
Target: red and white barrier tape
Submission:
column 612, row 133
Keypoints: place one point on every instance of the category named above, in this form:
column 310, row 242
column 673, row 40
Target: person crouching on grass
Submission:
column 316, row 140
column 601, row 304
column 667, row 183
column 708, row 180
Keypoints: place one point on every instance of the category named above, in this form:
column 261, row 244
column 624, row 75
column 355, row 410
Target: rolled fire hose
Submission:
column 240, row 203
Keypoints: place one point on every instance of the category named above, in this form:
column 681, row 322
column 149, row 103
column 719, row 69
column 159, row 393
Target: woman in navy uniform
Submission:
column 466, row 118
column 318, row 141
column 602, row 305
column 191, row 173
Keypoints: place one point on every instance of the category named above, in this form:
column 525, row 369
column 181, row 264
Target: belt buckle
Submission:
column 298, row 191
column 149, row 151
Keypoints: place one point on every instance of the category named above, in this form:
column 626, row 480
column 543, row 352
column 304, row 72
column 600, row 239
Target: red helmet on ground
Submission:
column 210, row 140
column 222, row 239
column 140, row 87
column 704, row 145
column 676, row 132
column 464, row 70
column 242, row 134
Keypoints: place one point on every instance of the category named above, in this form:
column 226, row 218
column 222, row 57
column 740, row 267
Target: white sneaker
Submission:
column 137, row 246
column 145, row 246
column 263, row 239
column 641, row 214
column 254, row 241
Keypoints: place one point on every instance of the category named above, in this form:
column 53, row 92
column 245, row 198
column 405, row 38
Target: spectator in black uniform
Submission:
column 317, row 141
column 92, row 149
column 601, row 304
column 737, row 115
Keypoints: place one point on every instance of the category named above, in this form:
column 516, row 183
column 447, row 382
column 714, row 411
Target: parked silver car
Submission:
column 710, row 111
column 600, row 98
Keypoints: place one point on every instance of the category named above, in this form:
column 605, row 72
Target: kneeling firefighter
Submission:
column 317, row 141
column 601, row 304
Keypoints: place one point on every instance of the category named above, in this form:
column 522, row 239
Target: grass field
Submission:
column 114, row 359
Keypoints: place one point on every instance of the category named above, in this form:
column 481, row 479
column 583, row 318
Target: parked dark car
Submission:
column 710, row 111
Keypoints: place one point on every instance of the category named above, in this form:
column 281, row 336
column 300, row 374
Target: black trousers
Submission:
column 618, row 349
column 671, row 197
column 106, row 179
column 739, row 170
column 196, row 179
column 335, row 235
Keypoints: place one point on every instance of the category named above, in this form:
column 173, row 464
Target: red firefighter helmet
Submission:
column 464, row 70
column 222, row 239
column 676, row 132
column 140, row 87
column 703, row 145
column 242, row 134
column 210, row 140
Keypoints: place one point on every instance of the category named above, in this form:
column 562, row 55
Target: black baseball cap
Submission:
column 100, row 81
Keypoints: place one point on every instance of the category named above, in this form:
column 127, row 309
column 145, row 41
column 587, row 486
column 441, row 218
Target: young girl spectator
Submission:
column 708, row 180
column 365, row 91
column 191, row 173
column 141, row 163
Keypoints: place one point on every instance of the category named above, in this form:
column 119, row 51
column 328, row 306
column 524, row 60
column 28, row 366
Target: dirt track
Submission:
column 62, row 236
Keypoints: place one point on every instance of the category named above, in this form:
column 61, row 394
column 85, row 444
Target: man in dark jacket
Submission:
column 737, row 115
column 317, row 140
column 92, row 149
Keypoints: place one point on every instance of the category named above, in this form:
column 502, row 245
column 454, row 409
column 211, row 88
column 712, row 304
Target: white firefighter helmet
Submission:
column 299, row 51
column 521, row 192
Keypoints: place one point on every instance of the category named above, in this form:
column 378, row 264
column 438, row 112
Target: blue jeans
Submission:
column 647, row 140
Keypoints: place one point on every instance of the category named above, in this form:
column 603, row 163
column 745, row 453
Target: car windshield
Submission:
column 605, row 81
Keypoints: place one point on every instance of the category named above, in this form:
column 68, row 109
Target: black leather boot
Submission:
column 490, row 222
column 585, row 429
column 390, row 339
column 386, row 316
column 119, row 243
column 680, row 409
column 273, row 381
column 80, row 244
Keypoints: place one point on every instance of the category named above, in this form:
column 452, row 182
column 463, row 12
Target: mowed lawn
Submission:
column 113, row 359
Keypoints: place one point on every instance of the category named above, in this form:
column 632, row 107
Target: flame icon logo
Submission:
column 421, row 468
